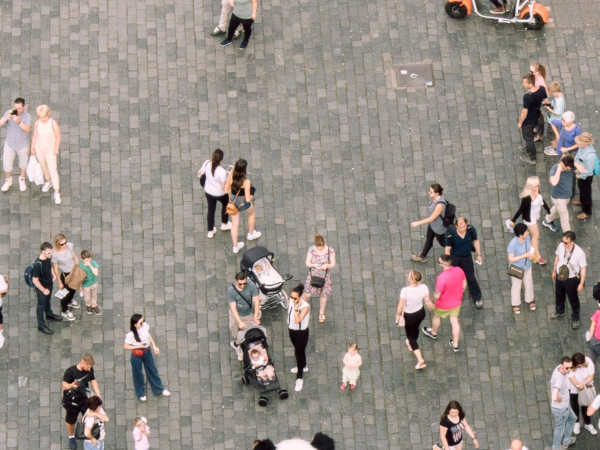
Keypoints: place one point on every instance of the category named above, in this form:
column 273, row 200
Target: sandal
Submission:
column 420, row 366
column 321, row 318
column 532, row 305
column 516, row 310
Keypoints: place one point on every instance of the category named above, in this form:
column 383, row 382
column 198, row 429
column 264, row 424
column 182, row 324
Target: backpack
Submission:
column 449, row 214
column 29, row 271
column 596, row 171
column 74, row 399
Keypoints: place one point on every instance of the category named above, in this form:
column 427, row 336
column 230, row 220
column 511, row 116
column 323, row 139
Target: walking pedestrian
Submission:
column 461, row 241
column 569, row 275
column 239, row 188
column 555, row 108
column 45, row 144
column 528, row 119
column 141, row 433
column 435, row 223
column 561, row 410
column 79, row 378
column 214, row 190
column 221, row 28
column 94, row 415
column 64, row 260
column 320, row 259
column 562, row 176
column 581, row 390
column 592, row 336
column 42, row 279
column 566, row 130
column 244, row 13
column 452, row 424
column 298, row 318
column 3, row 291
column 352, row 362
column 520, row 253
column 586, row 157
column 17, row 142
column 411, row 312
column 450, row 286
column 90, row 282
column 139, row 340
column 243, row 299
column 539, row 72
column 531, row 208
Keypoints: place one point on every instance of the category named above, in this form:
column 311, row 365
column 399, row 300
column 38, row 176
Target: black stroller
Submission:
column 258, row 368
column 257, row 264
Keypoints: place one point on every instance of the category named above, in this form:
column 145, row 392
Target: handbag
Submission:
column 138, row 351
column 80, row 430
column 231, row 207
column 75, row 277
column 587, row 396
column 516, row 272
column 318, row 282
column 202, row 173
column 34, row 171
column 563, row 271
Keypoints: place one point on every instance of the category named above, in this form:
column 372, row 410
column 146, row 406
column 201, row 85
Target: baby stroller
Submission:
column 257, row 264
column 259, row 371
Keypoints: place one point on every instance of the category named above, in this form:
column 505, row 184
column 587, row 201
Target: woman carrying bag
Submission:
column 320, row 258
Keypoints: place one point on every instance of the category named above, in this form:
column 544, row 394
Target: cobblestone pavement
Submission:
column 143, row 94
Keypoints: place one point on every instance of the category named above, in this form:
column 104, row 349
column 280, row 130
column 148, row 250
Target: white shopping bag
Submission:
column 61, row 293
column 34, row 171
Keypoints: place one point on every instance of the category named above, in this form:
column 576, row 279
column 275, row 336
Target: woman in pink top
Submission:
column 593, row 335
column 44, row 146
column 539, row 72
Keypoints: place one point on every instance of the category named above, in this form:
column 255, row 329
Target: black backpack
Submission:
column 74, row 399
column 449, row 214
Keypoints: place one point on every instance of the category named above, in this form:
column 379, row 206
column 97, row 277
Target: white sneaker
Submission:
column 298, row 386
column 74, row 304
column 22, row 185
column 211, row 233
column 254, row 235
column 295, row 370
column 68, row 316
column 2, row 345
column 550, row 151
column 57, row 199
column 165, row 393
column 143, row 398
column 576, row 428
column 7, row 184
column 589, row 427
column 47, row 185
column 226, row 226
column 238, row 247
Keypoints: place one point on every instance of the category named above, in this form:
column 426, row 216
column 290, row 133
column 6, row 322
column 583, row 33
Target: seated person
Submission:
column 260, row 360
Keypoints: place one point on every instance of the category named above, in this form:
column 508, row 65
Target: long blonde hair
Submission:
column 530, row 185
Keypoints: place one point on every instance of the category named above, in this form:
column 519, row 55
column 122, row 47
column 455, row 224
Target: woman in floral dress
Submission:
column 320, row 259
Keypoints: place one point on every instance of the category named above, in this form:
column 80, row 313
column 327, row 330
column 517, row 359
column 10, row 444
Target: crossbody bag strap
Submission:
column 245, row 299
column 237, row 195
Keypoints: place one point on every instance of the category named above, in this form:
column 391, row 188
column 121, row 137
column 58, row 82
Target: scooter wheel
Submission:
column 537, row 25
column 456, row 10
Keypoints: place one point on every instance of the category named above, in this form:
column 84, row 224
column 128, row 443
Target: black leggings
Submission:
column 574, row 400
column 441, row 238
column 585, row 194
column 212, row 207
column 412, row 324
column 299, row 340
column 64, row 302
column 235, row 22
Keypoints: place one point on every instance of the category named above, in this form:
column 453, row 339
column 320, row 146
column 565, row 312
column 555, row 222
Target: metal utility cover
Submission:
column 410, row 75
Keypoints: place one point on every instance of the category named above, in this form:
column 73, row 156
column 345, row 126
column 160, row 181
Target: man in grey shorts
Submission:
column 17, row 142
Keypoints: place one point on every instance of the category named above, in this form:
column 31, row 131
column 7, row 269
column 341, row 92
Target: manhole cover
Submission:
column 410, row 75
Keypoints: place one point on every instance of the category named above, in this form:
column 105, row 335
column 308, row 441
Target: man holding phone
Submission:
column 17, row 142
column 78, row 377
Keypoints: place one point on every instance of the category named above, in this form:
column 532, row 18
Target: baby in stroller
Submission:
column 259, row 359
column 265, row 272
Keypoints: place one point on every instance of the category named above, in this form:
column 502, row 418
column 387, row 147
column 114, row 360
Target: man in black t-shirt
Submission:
column 79, row 377
column 42, row 278
column 528, row 119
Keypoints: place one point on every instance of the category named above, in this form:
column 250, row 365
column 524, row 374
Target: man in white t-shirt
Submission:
column 569, row 258
column 3, row 291
column 564, row 416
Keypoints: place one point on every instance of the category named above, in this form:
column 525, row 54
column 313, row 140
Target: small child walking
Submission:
column 141, row 433
column 90, row 283
column 352, row 362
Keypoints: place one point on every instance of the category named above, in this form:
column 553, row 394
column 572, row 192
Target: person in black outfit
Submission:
column 461, row 240
column 298, row 317
column 41, row 275
column 528, row 119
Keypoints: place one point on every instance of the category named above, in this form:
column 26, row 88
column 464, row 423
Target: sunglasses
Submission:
column 62, row 243
column 242, row 284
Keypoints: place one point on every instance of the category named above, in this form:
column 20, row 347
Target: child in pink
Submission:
column 141, row 433
column 352, row 362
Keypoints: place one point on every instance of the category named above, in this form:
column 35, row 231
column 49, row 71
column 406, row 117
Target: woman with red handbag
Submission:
column 139, row 340
column 411, row 313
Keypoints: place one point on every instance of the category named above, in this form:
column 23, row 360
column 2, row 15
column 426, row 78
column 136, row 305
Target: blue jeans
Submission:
column 151, row 372
column 89, row 446
column 564, row 420
column 43, row 306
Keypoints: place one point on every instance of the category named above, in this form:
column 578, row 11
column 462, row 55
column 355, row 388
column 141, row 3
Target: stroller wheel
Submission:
column 263, row 401
column 284, row 299
column 245, row 379
column 283, row 394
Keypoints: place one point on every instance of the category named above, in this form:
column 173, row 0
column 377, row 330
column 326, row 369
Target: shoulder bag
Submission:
column 80, row 430
column 232, row 208
column 516, row 271
column 202, row 173
column 563, row 271
column 249, row 303
column 319, row 282
column 75, row 277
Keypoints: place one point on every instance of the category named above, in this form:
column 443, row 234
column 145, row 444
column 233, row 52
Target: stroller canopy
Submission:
column 253, row 255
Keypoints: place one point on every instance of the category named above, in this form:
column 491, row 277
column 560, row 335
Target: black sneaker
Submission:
column 479, row 304
column 243, row 45
column 452, row 345
column 89, row 310
column 226, row 42
column 556, row 316
column 45, row 330
column 527, row 159
column 96, row 310
column 53, row 317
column 427, row 332
column 575, row 325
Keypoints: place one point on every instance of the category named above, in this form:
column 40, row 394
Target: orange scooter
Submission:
column 528, row 12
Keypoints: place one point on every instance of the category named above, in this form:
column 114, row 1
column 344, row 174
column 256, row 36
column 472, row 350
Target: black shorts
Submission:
column 72, row 415
column 1, row 316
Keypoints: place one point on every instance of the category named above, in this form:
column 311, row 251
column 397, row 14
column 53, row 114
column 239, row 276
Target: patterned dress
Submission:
column 319, row 260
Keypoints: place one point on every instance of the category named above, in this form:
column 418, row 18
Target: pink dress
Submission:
column 319, row 260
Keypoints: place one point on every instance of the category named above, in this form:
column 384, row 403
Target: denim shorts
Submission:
column 241, row 203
